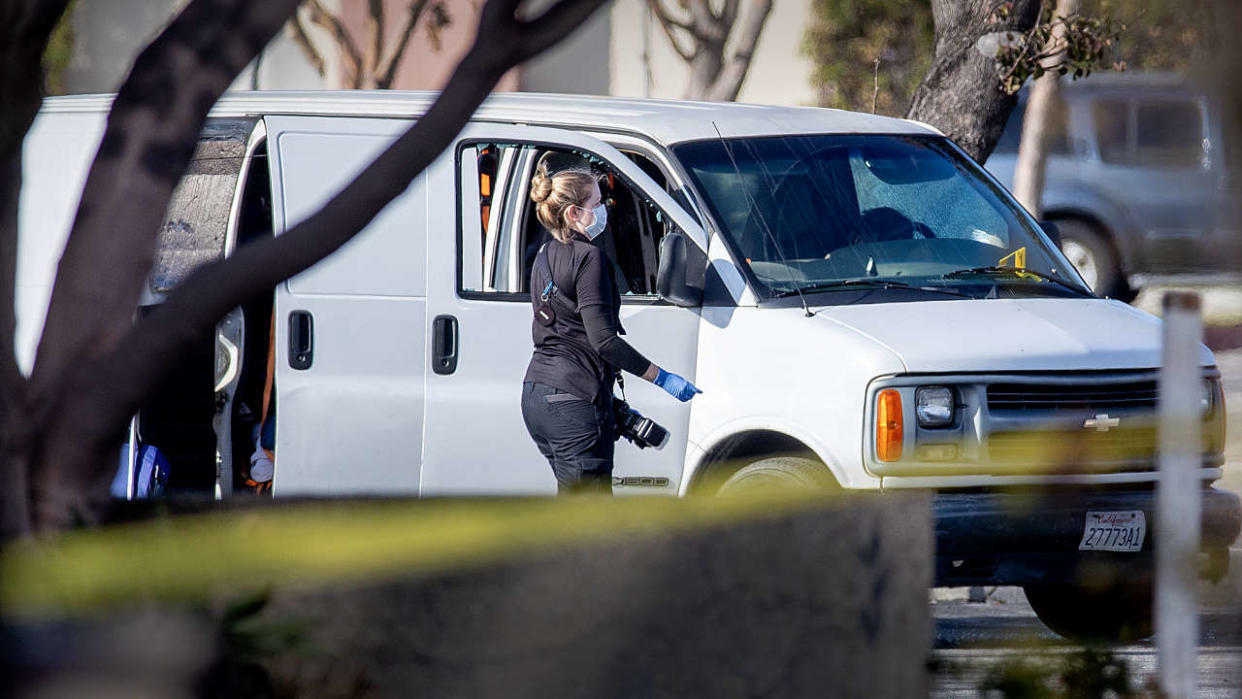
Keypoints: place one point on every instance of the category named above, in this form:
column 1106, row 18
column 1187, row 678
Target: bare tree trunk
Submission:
column 729, row 80
column 26, row 28
column 716, row 72
column 1028, row 175
column 14, row 490
column 704, row 69
column 961, row 95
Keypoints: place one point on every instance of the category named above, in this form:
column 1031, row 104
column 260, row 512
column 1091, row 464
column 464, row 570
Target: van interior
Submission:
column 635, row 228
column 180, row 417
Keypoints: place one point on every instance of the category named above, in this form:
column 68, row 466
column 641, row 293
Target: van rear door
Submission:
column 350, row 330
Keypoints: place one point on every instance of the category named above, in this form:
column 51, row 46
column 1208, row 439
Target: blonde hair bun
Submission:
column 540, row 185
column 554, row 194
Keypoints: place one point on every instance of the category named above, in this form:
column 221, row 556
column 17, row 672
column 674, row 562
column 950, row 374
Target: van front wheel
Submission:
column 779, row 474
column 1111, row 615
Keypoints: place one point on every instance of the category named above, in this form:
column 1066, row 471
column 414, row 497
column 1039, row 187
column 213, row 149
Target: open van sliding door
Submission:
column 350, row 330
column 479, row 321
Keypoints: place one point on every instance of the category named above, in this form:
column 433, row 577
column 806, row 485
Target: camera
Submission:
column 641, row 431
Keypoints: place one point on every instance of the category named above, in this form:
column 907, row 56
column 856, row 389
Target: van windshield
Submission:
column 821, row 213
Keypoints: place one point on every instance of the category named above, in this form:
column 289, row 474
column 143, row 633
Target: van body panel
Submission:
column 56, row 158
column 1038, row 334
column 352, row 421
column 775, row 368
column 666, row 121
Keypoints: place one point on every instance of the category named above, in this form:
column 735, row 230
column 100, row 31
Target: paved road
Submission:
column 971, row 638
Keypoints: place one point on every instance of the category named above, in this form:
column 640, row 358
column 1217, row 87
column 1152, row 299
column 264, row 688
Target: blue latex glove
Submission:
column 676, row 386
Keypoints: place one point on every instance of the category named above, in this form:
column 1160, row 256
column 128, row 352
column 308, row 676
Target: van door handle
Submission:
column 444, row 345
column 301, row 340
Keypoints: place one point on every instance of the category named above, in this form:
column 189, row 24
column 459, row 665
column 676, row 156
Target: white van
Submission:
column 863, row 306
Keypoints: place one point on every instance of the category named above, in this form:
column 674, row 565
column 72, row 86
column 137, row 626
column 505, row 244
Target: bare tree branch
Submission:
column 14, row 490
column 666, row 17
column 728, row 14
column 334, row 26
column 153, row 343
column 11, row 380
column 297, row 33
column 375, row 35
column 729, row 82
column 25, row 28
column 387, row 70
column 668, row 23
column 706, row 25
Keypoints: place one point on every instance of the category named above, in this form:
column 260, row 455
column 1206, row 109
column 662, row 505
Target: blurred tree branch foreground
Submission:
column 375, row 65
column 95, row 363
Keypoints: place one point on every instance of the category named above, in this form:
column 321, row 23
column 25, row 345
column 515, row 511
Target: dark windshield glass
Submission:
column 808, row 211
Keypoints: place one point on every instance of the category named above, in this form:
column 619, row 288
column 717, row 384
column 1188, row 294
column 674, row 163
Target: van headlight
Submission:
column 1207, row 398
column 933, row 406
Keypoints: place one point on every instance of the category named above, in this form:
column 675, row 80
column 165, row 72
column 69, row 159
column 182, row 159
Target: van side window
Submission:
column 635, row 227
column 480, row 168
column 1170, row 133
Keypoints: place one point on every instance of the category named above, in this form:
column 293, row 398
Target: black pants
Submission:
column 574, row 435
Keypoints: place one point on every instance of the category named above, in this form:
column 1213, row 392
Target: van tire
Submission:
column 780, row 473
column 1111, row 615
column 1096, row 260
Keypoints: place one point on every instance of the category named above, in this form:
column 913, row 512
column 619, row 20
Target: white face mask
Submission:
column 597, row 226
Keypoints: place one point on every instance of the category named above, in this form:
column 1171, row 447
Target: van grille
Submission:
column 1057, row 397
column 1062, row 447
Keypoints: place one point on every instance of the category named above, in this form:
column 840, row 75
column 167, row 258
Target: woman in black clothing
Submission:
column 567, row 393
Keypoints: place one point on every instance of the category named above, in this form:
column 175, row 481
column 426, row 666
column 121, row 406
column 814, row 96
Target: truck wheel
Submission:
column 779, row 473
column 1093, row 257
column 1110, row 615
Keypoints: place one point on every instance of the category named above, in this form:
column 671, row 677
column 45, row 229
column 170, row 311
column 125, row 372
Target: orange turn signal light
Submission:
column 888, row 425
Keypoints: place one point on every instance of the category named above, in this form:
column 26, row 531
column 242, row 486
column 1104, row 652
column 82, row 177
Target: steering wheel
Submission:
column 884, row 223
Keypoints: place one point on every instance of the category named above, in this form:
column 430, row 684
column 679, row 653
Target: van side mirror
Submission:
column 1051, row 230
column 671, row 277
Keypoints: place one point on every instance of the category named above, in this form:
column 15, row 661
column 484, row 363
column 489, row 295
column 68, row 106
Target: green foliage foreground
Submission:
column 1085, row 674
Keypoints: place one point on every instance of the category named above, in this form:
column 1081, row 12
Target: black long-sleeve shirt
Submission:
column 578, row 351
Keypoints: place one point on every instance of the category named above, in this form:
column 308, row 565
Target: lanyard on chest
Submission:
column 545, row 311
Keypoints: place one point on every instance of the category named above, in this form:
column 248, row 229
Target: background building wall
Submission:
column 779, row 74
column 423, row 65
column 581, row 64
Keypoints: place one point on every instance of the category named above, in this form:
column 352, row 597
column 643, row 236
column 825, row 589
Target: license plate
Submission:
column 1114, row 531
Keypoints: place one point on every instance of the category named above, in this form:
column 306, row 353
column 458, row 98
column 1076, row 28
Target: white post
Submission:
column 1179, row 500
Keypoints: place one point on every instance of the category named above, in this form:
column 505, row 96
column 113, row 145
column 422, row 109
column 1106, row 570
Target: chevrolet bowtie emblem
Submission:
column 1101, row 423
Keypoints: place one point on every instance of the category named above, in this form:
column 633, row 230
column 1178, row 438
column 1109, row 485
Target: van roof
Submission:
column 666, row 121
